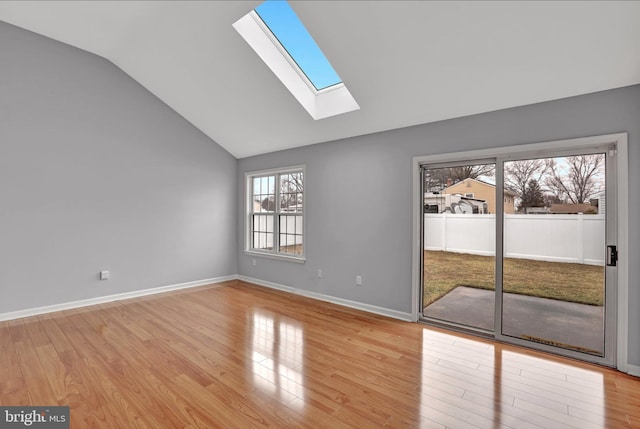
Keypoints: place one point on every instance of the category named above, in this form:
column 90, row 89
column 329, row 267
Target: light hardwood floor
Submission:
column 235, row 355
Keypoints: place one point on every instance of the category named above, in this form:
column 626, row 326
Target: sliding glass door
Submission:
column 522, row 247
column 553, row 280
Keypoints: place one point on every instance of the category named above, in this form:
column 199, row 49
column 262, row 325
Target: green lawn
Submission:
column 443, row 271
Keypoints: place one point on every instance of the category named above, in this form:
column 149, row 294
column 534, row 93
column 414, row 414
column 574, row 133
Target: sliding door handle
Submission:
column 612, row 256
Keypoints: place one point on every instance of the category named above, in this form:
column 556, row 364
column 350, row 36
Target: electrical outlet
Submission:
column 358, row 280
column 104, row 275
column 320, row 273
column 253, row 262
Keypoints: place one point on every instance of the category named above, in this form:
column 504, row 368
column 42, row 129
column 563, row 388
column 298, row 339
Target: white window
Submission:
column 275, row 213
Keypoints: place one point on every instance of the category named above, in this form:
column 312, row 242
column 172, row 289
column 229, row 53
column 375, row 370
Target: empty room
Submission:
column 319, row 214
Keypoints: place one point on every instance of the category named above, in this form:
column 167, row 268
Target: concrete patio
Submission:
column 566, row 324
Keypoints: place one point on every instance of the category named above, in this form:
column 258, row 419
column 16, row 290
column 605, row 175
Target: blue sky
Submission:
column 292, row 34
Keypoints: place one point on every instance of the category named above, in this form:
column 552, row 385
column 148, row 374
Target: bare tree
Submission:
column 518, row 174
column 436, row 179
column 580, row 180
column 291, row 190
column 550, row 199
column 458, row 174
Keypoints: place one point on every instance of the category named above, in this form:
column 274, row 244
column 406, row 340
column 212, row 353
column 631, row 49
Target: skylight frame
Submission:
column 320, row 104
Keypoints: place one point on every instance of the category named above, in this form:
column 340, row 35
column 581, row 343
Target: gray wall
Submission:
column 359, row 190
column 97, row 173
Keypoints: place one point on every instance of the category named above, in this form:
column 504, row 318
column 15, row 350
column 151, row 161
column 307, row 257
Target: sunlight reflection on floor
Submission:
column 278, row 348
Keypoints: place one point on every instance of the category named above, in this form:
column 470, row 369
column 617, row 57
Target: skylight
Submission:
column 296, row 40
column 280, row 39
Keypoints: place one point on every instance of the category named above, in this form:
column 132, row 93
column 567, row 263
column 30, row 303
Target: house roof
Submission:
column 404, row 62
column 571, row 208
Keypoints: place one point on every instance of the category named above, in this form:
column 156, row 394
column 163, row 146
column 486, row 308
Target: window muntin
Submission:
column 276, row 213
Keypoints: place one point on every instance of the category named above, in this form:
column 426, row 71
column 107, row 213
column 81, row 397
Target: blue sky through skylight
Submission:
column 294, row 37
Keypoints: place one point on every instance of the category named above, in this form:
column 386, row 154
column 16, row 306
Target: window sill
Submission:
column 281, row 257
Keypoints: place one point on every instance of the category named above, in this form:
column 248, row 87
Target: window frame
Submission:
column 249, row 213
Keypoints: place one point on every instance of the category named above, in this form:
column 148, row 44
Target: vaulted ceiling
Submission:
column 406, row 63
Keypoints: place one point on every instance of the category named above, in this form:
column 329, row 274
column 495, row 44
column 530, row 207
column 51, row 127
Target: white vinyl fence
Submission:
column 557, row 238
column 291, row 230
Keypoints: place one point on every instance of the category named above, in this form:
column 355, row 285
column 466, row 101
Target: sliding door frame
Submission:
column 619, row 357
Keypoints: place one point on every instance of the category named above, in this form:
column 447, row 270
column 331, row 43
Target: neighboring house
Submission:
column 600, row 200
column 446, row 203
column 473, row 188
column 573, row 209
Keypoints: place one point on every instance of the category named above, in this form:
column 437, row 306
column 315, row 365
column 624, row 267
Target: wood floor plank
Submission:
column 236, row 355
column 62, row 386
column 35, row 377
column 13, row 390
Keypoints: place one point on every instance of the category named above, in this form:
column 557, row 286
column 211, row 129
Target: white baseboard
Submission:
column 138, row 293
column 632, row 370
column 110, row 298
column 408, row 317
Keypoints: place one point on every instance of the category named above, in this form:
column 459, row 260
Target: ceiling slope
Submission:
column 406, row 63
